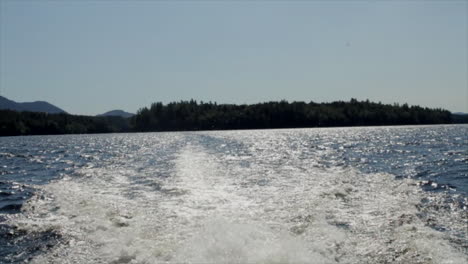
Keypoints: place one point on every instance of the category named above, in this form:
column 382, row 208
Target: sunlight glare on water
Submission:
column 350, row 195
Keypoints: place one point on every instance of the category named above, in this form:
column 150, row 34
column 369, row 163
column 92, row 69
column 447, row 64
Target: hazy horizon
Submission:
column 92, row 57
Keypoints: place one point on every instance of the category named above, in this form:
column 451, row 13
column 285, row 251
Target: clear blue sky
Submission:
column 89, row 57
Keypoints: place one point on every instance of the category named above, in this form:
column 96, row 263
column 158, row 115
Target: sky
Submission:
column 89, row 57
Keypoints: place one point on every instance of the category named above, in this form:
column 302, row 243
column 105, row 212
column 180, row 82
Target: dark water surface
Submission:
column 328, row 195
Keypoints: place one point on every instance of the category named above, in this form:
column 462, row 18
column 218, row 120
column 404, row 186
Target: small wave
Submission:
column 9, row 155
column 12, row 196
column 21, row 246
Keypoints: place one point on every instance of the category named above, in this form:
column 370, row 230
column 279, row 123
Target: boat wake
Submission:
column 216, row 208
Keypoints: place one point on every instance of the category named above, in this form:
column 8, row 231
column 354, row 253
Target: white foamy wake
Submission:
column 221, row 221
column 211, row 211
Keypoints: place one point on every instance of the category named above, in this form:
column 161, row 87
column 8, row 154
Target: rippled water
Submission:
column 337, row 195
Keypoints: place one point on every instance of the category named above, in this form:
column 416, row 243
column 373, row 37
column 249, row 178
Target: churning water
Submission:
column 334, row 195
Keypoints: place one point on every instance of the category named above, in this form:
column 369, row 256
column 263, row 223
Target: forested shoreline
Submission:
column 13, row 123
column 193, row 115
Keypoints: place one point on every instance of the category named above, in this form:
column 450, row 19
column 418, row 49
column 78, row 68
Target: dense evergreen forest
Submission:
column 14, row 123
column 191, row 115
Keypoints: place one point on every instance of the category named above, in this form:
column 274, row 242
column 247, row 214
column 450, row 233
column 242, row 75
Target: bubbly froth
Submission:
column 243, row 200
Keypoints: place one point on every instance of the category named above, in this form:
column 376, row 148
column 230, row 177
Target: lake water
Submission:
column 327, row 195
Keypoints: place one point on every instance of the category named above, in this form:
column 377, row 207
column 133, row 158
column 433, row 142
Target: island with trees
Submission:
column 192, row 116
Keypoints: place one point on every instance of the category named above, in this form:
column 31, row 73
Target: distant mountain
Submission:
column 38, row 106
column 460, row 113
column 117, row 113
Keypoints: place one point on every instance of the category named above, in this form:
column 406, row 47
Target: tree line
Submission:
column 193, row 115
column 13, row 123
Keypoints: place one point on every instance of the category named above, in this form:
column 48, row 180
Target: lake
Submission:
column 320, row 195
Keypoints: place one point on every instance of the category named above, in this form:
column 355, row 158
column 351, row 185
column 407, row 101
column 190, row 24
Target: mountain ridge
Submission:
column 117, row 112
column 36, row 106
